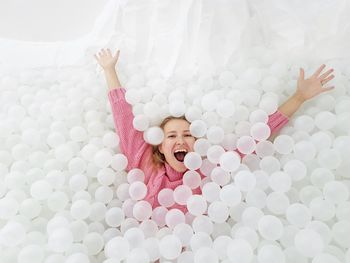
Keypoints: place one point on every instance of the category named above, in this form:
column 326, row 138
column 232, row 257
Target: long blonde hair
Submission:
column 158, row 158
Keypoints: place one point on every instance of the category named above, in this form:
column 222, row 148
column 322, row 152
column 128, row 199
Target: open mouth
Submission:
column 180, row 155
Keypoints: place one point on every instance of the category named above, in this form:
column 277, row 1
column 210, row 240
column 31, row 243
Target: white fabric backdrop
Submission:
column 183, row 33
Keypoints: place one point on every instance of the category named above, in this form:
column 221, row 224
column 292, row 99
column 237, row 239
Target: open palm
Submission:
column 106, row 59
column 312, row 86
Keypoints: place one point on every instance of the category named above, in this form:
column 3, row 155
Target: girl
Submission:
column 163, row 164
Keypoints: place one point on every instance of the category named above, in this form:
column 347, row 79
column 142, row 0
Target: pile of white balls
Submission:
column 66, row 195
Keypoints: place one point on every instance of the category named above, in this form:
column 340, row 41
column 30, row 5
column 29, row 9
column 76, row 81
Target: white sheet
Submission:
column 173, row 34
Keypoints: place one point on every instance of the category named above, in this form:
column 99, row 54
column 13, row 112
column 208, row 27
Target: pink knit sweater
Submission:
column 139, row 153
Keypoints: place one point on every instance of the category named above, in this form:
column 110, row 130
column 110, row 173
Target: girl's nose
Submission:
column 180, row 140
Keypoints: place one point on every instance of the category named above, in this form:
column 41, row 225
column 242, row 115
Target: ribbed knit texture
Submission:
column 139, row 153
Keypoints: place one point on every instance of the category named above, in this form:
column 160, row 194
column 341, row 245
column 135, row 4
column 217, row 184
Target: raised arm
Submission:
column 108, row 62
column 132, row 143
column 307, row 89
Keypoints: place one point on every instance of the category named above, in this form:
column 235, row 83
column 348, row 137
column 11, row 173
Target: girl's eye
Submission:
column 171, row 136
column 188, row 135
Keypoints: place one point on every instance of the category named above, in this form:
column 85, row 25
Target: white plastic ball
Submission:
column 256, row 198
column 135, row 175
column 258, row 116
column 230, row 161
column 251, row 216
column 215, row 134
column 226, row 108
column 329, row 158
column 246, row 144
column 170, row 247
column 280, row 181
column 104, row 194
column 12, row 234
column 304, row 150
column 192, row 179
column 142, row 210
column 30, row 207
column 304, row 123
column 141, row 122
column 117, row 247
column 336, row 192
column 177, row 108
column 325, row 120
column 114, row 217
column 94, row 243
column 31, row 254
column 308, row 242
column 60, row 240
column 277, row 202
column 174, row 217
column 154, row 135
column 211, row 191
column 193, row 160
column 78, row 134
column 270, row 227
column 63, row 152
column 78, row 182
column 245, row 180
column 166, row 197
column 296, row 169
column 283, row 144
column 218, row 212
column 137, row 190
column 260, row 131
column 103, row 158
column 181, row 194
column 80, row 209
column 322, row 209
column 209, row 102
column 196, row 205
column 240, row 248
column 198, row 128
column 214, row 153
column 200, row 239
column 184, row 232
column 205, row 254
column 40, row 190
column 298, row 215
column 271, row 254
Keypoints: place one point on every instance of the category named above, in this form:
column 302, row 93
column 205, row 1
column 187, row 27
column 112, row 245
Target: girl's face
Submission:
column 177, row 142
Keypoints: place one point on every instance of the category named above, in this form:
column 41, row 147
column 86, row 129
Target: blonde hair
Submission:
column 158, row 159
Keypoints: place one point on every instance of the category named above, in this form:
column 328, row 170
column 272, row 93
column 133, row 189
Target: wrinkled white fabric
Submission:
column 186, row 34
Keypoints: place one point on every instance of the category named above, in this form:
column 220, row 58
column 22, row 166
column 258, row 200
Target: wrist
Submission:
column 109, row 69
column 298, row 98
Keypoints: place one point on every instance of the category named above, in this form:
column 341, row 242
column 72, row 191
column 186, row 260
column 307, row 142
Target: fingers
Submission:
column 318, row 71
column 324, row 81
column 301, row 74
column 324, row 75
column 106, row 52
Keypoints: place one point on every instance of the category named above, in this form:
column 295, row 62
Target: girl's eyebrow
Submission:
column 175, row 131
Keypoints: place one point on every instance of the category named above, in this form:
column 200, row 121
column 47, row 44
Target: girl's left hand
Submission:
column 312, row 86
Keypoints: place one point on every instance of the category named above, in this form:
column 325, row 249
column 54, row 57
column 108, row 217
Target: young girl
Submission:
column 163, row 165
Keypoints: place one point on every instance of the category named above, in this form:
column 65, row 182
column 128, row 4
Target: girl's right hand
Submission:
column 106, row 60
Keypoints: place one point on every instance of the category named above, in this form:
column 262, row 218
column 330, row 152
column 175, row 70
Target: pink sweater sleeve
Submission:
column 132, row 143
column 276, row 122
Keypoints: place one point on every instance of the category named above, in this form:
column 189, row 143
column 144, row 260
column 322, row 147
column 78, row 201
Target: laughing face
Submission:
column 177, row 142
